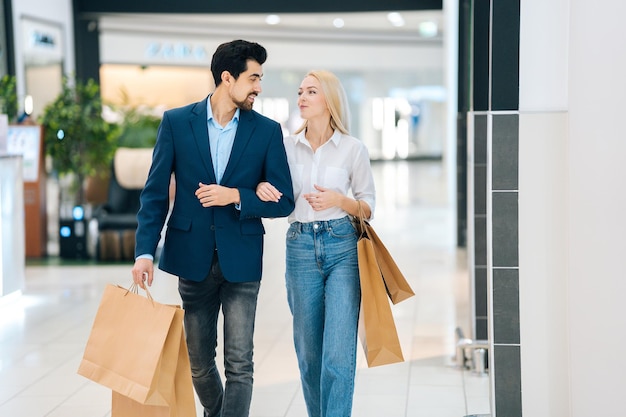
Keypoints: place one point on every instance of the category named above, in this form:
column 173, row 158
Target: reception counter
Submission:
column 12, row 256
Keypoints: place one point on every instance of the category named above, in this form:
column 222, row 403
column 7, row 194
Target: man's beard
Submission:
column 244, row 105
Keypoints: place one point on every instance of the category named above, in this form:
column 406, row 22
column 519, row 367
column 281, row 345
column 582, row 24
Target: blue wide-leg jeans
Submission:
column 202, row 302
column 323, row 291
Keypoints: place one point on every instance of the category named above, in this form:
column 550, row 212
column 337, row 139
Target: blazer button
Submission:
column 212, row 227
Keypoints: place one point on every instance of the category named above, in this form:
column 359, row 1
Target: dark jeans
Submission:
column 202, row 302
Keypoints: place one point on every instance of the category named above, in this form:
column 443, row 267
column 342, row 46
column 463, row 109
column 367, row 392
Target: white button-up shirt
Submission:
column 341, row 164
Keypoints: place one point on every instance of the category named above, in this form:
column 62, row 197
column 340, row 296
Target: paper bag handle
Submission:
column 361, row 218
column 134, row 288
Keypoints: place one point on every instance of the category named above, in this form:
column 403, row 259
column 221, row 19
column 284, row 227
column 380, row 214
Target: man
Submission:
column 218, row 150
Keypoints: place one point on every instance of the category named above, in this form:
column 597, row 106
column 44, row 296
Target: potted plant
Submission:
column 76, row 137
column 138, row 128
column 80, row 144
column 8, row 97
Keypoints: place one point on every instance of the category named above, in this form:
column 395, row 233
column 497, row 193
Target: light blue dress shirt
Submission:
column 221, row 139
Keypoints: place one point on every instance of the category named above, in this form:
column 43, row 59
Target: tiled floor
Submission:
column 43, row 332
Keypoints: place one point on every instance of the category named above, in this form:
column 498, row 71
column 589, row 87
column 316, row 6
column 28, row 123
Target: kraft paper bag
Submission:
column 134, row 346
column 125, row 407
column 396, row 284
column 398, row 289
column 377, row 328
column 181, row 401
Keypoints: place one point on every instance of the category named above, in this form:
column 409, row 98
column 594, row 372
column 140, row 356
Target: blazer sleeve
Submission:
column 155, row 195
column 276, row 171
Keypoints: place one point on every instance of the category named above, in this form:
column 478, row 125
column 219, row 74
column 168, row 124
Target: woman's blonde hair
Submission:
column 336, row 101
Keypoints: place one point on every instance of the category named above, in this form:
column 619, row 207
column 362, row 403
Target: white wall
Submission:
column 597, row 223
column 543, row 214
column 544, row 49
column 450, row 70
column 572, row 208
column 284, row 54
column 54, row 12
column 543, row 208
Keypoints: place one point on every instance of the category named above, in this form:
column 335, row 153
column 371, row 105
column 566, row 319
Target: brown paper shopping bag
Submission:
column 134, row 346
column 125, row 407
column 396, row 284
column 377, row 329
column 180, row 404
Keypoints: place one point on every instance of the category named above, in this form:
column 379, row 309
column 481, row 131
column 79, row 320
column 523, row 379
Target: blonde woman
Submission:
column 330, row 172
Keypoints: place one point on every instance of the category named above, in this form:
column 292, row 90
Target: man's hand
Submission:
column 143, row 270
column 213, row 195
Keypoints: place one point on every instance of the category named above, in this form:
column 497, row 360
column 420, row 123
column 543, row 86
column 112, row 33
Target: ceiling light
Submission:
column 338, row 22
column 395, row 19
column 272, row 19
column 428, row 29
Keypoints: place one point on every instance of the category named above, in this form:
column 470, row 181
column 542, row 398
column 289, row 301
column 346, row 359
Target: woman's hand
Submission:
column 267, row 192
column 323, row 199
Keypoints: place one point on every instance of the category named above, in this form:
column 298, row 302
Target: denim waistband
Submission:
column 320, row 225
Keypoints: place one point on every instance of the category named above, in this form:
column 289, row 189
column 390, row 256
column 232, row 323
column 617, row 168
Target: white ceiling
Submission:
column 366, row 26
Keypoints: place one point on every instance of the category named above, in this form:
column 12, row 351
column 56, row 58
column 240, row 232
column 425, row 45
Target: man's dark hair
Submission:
column 233, row 57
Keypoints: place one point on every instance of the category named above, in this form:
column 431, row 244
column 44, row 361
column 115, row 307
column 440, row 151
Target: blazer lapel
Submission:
column 242, row 137
column 198, row 122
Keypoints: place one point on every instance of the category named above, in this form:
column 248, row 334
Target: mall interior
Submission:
column 493, row 133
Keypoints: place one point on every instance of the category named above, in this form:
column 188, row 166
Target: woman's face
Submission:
column 311, row 99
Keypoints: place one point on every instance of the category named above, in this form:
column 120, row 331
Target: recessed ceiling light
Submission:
column 395, row 19
column 338, row 23
column 272, row 19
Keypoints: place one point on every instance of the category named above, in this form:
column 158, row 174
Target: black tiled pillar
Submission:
column 479, row 238
column 464, row 105
column 493, row 238
column 503, row 269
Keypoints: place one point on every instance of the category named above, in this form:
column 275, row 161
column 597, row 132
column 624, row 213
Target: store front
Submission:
column 394, row 80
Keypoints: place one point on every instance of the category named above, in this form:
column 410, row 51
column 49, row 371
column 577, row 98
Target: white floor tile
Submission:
column 43, row 332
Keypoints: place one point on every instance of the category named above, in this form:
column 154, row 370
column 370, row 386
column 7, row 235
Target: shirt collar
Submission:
column 209, row 111
column 335, row 138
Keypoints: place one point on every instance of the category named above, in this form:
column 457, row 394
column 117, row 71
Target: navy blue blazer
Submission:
column 194, row 232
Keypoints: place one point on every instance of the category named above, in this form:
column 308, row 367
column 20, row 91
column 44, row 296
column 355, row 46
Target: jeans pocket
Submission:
column 343, row 230
column 293, row 232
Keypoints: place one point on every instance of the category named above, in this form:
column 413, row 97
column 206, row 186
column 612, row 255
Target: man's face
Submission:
column 244, row 89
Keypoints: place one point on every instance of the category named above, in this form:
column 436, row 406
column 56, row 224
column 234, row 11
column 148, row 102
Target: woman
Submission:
column 322, row 272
